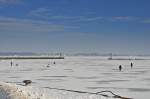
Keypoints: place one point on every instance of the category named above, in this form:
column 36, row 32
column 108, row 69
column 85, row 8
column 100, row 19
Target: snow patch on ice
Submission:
column 12, row 91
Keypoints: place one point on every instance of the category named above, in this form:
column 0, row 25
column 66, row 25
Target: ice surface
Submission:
column 90, row 74
column 12, row 91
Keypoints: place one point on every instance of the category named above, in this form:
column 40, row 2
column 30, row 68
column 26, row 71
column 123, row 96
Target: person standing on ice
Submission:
column 11, row 63
column 120, row 67
column 131, row 65
column 54, row 62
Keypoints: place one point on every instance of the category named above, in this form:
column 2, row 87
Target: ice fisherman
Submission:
column 120, row 67
column 131, row 65
column 11, row 63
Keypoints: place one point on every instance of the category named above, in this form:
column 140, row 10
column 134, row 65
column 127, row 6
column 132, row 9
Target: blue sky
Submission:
column 103, row 26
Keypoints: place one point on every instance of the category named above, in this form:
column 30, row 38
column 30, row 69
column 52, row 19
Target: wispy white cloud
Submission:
column 71, row 27
column 106, row 19
column 10, row 1
column 88, row 19
column 45, row 13
column 123, row 18
column 146, row 21
column 11, row 25
column 40, row 12
column 48, row 14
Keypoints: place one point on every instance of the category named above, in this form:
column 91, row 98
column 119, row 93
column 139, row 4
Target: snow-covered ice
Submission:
column 12, row 91
column 90, row 74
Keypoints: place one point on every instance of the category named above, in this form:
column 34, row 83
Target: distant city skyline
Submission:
column 75, row 26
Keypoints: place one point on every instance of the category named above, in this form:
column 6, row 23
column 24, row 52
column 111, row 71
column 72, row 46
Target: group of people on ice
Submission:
column 120, row 66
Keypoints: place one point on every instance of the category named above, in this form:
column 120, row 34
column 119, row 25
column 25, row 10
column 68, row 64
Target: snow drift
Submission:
column 12, row 91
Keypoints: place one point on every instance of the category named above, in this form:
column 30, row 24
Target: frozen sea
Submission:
column 90, row 74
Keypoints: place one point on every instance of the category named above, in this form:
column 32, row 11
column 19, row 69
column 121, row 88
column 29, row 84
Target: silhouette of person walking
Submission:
column 120, row 67
column 11, row 63
column 131, row 65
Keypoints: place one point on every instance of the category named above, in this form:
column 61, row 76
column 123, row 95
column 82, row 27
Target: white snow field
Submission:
column 12, row 91
column 89, row 74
